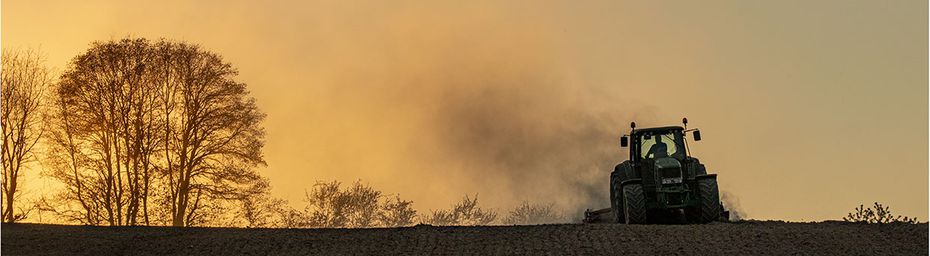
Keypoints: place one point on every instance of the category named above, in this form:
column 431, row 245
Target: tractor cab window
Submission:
column 659, row 145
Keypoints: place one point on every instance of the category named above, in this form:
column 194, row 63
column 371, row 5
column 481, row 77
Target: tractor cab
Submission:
column 658, row 143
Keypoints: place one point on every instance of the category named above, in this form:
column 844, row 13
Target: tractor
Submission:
column 661, row 182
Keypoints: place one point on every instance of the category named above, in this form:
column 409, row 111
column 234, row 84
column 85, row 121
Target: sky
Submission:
column 807, row 108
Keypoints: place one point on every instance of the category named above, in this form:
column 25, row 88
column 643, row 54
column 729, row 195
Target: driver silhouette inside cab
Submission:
column 658, row 150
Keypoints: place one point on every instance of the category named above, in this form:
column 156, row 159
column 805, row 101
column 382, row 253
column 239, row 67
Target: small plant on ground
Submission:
column 876, row 214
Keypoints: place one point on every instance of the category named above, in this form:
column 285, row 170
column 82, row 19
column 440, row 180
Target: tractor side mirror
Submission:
column 623, row 142
column 697, row 135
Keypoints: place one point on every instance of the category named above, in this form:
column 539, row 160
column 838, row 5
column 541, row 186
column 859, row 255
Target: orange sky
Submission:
column 807, row 108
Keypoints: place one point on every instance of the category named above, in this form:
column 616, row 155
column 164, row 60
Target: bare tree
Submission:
column 69, row 163
column 105, row 104
column 213, row 134
column 24, row 82
column 138, row 122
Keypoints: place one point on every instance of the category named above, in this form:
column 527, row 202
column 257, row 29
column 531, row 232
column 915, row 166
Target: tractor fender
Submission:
column 630, row 181
column 624, row 170
column 706, row 176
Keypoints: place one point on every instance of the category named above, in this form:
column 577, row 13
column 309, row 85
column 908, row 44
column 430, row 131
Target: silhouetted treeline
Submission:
column 330, row 205
column 144, row 132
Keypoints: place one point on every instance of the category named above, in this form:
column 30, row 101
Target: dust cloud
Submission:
column 731, row 203
column 475, row 102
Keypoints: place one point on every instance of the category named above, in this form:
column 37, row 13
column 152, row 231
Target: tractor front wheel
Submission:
column 709, row 209
column 634, row 204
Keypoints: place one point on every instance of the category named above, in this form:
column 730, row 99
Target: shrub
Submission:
column 529, row 214
column 359, row 206
column 465, row 212
column 397, row 213
column 877, row 214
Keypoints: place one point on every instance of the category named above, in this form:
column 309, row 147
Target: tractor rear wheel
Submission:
column 616, row 200
column 634, row 204
column 709, row 209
